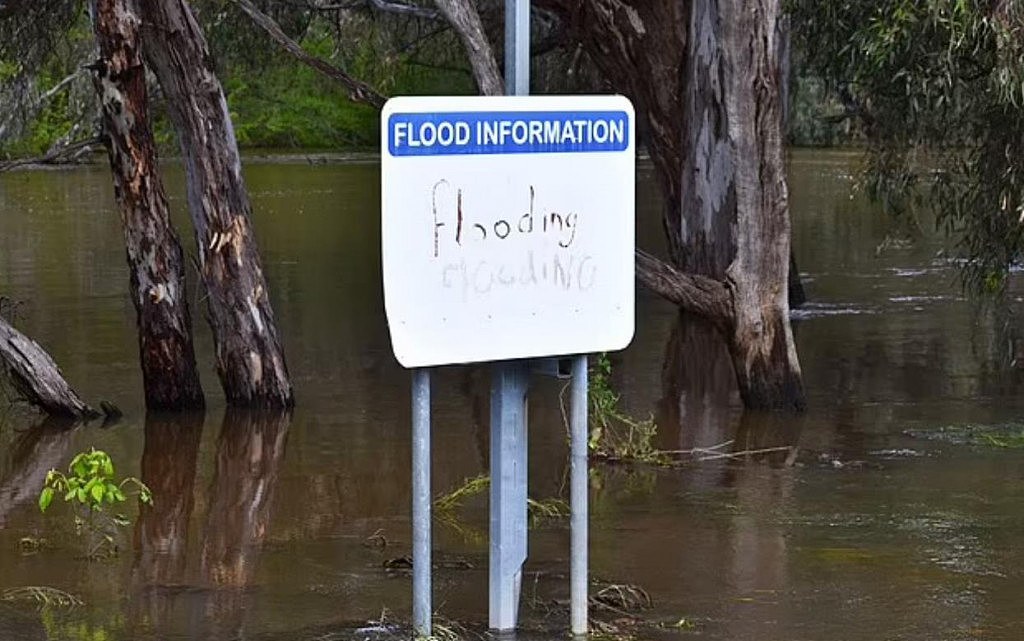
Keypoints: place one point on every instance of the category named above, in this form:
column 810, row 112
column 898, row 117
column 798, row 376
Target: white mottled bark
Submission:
column 249, row 358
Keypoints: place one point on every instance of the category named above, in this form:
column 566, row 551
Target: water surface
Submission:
column 882, row 522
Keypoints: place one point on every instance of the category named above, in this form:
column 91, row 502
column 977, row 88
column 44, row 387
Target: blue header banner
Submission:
column 507, row 132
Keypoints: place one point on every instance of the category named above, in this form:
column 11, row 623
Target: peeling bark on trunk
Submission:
column 762, row 347
column 464, row 18
column 705, row 79
column 36, row 376
column 249, row 358
column 640, row 49
column 155, row 257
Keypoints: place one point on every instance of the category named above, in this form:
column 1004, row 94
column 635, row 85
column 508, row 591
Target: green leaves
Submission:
column 90, row 485
column 45, row 497
column 938, row 88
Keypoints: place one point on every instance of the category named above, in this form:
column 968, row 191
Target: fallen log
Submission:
column 36, row 377
column 70, row 152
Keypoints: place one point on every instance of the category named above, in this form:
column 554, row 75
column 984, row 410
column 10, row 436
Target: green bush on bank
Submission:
column 275, row 101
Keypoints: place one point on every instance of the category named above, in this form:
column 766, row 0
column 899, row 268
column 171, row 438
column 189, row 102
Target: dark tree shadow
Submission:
column 700, row 405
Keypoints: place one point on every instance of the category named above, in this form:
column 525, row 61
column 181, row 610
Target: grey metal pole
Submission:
column 517, row 47
column 578, row 497
column 509, row 385
column 508, row 531
column 421, row 562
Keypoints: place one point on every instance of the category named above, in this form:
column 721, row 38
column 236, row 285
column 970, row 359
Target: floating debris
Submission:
column 904, row 452
column 999, row 435
column 42, row 595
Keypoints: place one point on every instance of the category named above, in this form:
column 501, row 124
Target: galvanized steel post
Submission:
column 509, row 385
column 508, row 531
column 578, row 498
column 421, row 562
column 517, row 47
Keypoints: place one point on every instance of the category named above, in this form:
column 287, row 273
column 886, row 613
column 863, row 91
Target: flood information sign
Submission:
column 507, row 226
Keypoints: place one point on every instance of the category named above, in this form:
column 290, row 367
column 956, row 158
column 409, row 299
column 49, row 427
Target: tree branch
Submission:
column 464, row 17
column 699, row 295
column 405, row 9
column 358, row 91
column 54, row 156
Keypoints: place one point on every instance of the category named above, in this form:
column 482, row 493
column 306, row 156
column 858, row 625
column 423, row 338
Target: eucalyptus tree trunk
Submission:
column 155, row 257
column 705, row 79
column 249, row 358
column 735, row 204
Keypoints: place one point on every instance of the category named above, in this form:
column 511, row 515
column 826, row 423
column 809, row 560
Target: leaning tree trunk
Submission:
column 704, row 76
column 155, row 257
column 249, row 358
column 36, row 377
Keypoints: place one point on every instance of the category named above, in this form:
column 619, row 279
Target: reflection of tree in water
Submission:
column 700, row 404
column 161, row 533
column 249, row 451
column 33, row 453
column 169, row 469
column 700, row 400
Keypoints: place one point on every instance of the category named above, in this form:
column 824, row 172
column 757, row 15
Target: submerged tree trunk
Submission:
column 735, row 160
column 36, row 376
column 249, row 358
column 155, row 257
column 705, row 78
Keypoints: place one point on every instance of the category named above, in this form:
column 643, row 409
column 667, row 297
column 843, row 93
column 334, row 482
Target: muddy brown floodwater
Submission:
column 898, row 515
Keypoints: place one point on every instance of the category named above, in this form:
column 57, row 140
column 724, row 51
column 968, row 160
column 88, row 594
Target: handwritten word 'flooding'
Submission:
column 482, row 277
column 458, row 226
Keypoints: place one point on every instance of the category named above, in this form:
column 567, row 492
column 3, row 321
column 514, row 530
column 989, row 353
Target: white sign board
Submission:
column 507, row 226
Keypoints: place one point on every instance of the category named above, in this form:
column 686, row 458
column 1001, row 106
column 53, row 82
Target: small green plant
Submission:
column 447, row 507
column 90, row 486
column 613, row 434
column 452, row 501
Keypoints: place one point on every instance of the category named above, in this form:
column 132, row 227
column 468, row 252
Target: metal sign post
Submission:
column 507, row 235
column 509, row 385
column 578, row 498
column 510, row 382
column 421, row 562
